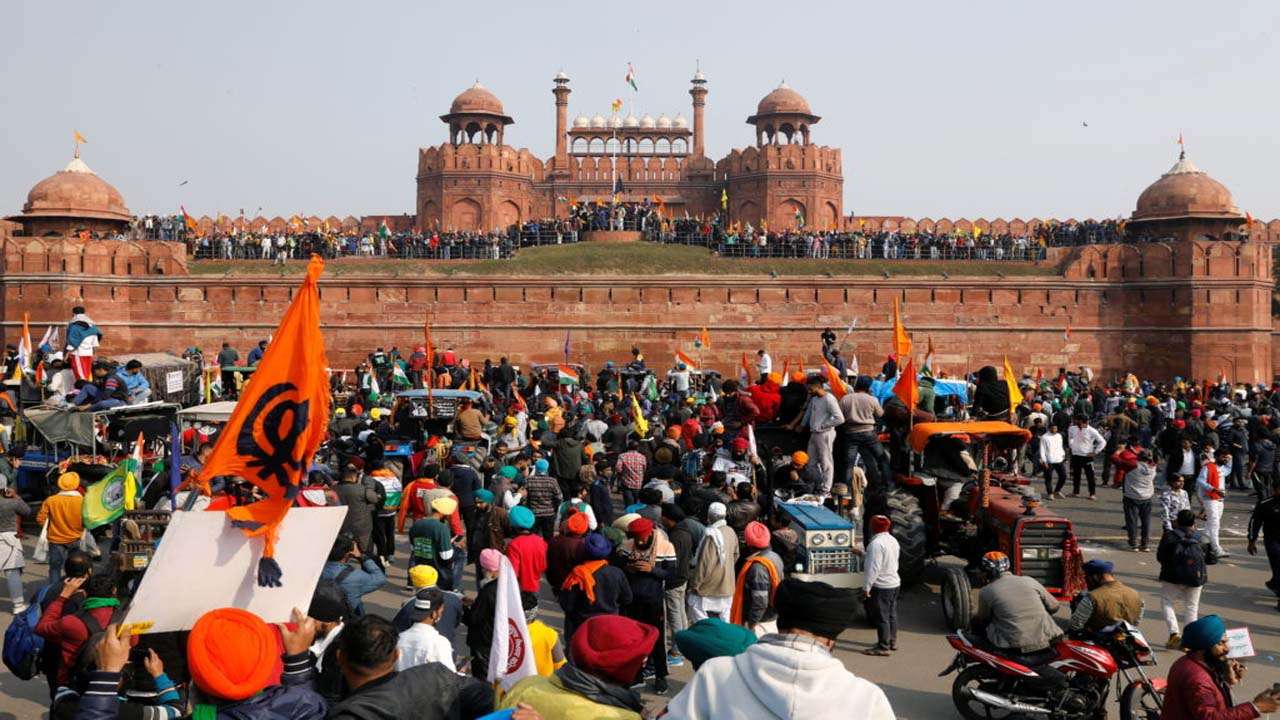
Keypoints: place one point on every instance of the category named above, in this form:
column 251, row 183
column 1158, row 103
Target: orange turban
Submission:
column 577, row 524
column 797, row 377
column 775, row 378
column 231, row 653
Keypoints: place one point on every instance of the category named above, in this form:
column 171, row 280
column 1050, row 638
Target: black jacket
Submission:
column 682, row 540
column 424, row 692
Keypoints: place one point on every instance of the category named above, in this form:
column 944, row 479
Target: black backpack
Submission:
column 1189, row 562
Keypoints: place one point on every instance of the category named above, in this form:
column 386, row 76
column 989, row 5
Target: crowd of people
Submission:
column 640, row 506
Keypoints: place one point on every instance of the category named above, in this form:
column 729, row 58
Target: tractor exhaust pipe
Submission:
column 1004, row 703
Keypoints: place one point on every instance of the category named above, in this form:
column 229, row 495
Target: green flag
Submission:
column 106, row 500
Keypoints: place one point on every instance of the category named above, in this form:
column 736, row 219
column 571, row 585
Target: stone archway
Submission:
column 749, row 212
column 508, row 215
column 788, row 215
column 829, row 219
column 464, row 216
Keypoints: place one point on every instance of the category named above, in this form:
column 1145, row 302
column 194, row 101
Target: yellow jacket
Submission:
column 544, row 640
column 66, row 524
column 553, row 701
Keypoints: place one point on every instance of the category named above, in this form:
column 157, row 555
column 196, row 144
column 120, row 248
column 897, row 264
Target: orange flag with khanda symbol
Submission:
column 280, row 420
column 908, row 386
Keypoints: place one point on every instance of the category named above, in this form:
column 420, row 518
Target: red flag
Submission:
column 280, row 420
column 908, row 386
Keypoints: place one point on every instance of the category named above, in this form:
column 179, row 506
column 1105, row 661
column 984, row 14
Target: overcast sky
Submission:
column 942, row 108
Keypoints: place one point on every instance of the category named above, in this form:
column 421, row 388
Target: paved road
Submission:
column 909, row 677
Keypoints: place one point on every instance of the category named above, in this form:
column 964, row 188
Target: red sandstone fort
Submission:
column 1196, row 304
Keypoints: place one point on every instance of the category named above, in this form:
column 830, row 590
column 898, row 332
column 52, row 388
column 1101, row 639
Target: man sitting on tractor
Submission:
column 1014, row 610
column 1108, row 601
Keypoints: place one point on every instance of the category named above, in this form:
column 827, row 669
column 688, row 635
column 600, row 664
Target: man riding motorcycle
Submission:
column 1014, row 611
column 1108, row 601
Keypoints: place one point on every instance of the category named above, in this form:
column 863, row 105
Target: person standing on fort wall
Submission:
column 83, row 338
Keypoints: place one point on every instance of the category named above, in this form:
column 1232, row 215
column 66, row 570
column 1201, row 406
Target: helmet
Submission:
column 995, row 564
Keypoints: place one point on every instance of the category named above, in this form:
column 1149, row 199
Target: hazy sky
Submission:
column 942, row 108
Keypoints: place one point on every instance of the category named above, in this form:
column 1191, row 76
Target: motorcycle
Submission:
column 1073, row 683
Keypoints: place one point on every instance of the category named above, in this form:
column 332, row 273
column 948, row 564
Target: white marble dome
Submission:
column 680, row 122
column 581, row 121
column 615, row 122
column 598, row 122
column 664, row 122
column 630, row 121
column 647, row 122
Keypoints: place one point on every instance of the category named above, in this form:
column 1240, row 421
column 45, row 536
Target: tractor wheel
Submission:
column 909, row 529
column 957, row 600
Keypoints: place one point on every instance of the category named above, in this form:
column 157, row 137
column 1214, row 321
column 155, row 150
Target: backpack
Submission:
column 22, row 645
column 1188, row 562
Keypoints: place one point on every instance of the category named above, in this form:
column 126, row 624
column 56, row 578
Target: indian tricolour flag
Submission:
column 568, row 376
column 682, row 357
column 398, row 377
column 631, row 77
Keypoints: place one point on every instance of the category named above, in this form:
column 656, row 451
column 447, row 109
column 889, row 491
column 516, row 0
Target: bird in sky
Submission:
column 1085, row 124
column 184, row 182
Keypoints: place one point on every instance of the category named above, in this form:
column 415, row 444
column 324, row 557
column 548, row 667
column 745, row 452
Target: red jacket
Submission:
column 69, row 633
column 768, row 398
column 1124, row 461
column 528, row 555
column 1192, row 694
column 414, row 506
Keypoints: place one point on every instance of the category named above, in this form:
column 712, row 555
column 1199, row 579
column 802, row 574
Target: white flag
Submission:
column 511, row 654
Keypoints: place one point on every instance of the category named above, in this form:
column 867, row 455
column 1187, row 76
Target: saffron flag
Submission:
column 511, row 651
column 280, row 420
column 189, row 221
column 706, row 339
column 631, row 77
column 79, row 139
column 568, row 376
column 744, row 372
column 838, row 388
column 1066, row 334
column 106, row 500
column 901, row 340
column 682, row 357
column 908, row 386
column 1011, row 380
column 616, row 105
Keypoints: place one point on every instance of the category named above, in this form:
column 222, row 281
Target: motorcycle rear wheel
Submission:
column 979, row 677
column 1140, row 701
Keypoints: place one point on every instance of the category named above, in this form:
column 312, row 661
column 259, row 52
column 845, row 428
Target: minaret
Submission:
column 699, row 93
column 561, row 91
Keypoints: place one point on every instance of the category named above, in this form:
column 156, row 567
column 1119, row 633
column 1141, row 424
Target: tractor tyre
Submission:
column 910, row 531
column 957, row 599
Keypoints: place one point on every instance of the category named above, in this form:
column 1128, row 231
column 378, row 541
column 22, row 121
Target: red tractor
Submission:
column 963, row 497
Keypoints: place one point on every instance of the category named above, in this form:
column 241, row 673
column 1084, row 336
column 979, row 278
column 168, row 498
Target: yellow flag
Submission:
column 617, row 105
column 724, row 199
column 642, row 425
column 78, row 137
column 1011, row 380
column 977, row 231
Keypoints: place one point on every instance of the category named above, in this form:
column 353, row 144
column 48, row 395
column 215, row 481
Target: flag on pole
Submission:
column 278, row 424
column 706, row 339
column 901, row 340
column 907, row 388
column 616, row 105
column 1066, row 334
column 838, row 387
column 108, row 499
column 637, row 415
column 398, row 377
column 79, row 139
column 927, row 370
column 631, row 77
column 568, row 376
column 189, row 221
column 649, row 388
column 724, row 199
column 511, row 651
column 682, row 357
column 1011, row 380
column 26, row 353
column 786, row 372
column 853, row 364
column 1181, row 144
column 744, row 373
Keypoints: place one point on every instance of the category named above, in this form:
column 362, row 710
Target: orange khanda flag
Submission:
column 838, row 388
column 908, row 386
column 280, row 420
column 901, row 340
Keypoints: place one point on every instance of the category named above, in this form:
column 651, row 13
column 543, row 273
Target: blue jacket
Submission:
column 356, row 582
column 79, row 330
column 293, row 699
column 132, row 383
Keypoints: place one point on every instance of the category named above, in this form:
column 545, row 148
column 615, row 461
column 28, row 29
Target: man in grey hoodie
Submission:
column 1139, row 491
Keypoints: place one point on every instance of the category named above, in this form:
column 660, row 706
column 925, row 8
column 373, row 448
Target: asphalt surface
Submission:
column 909, row 676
